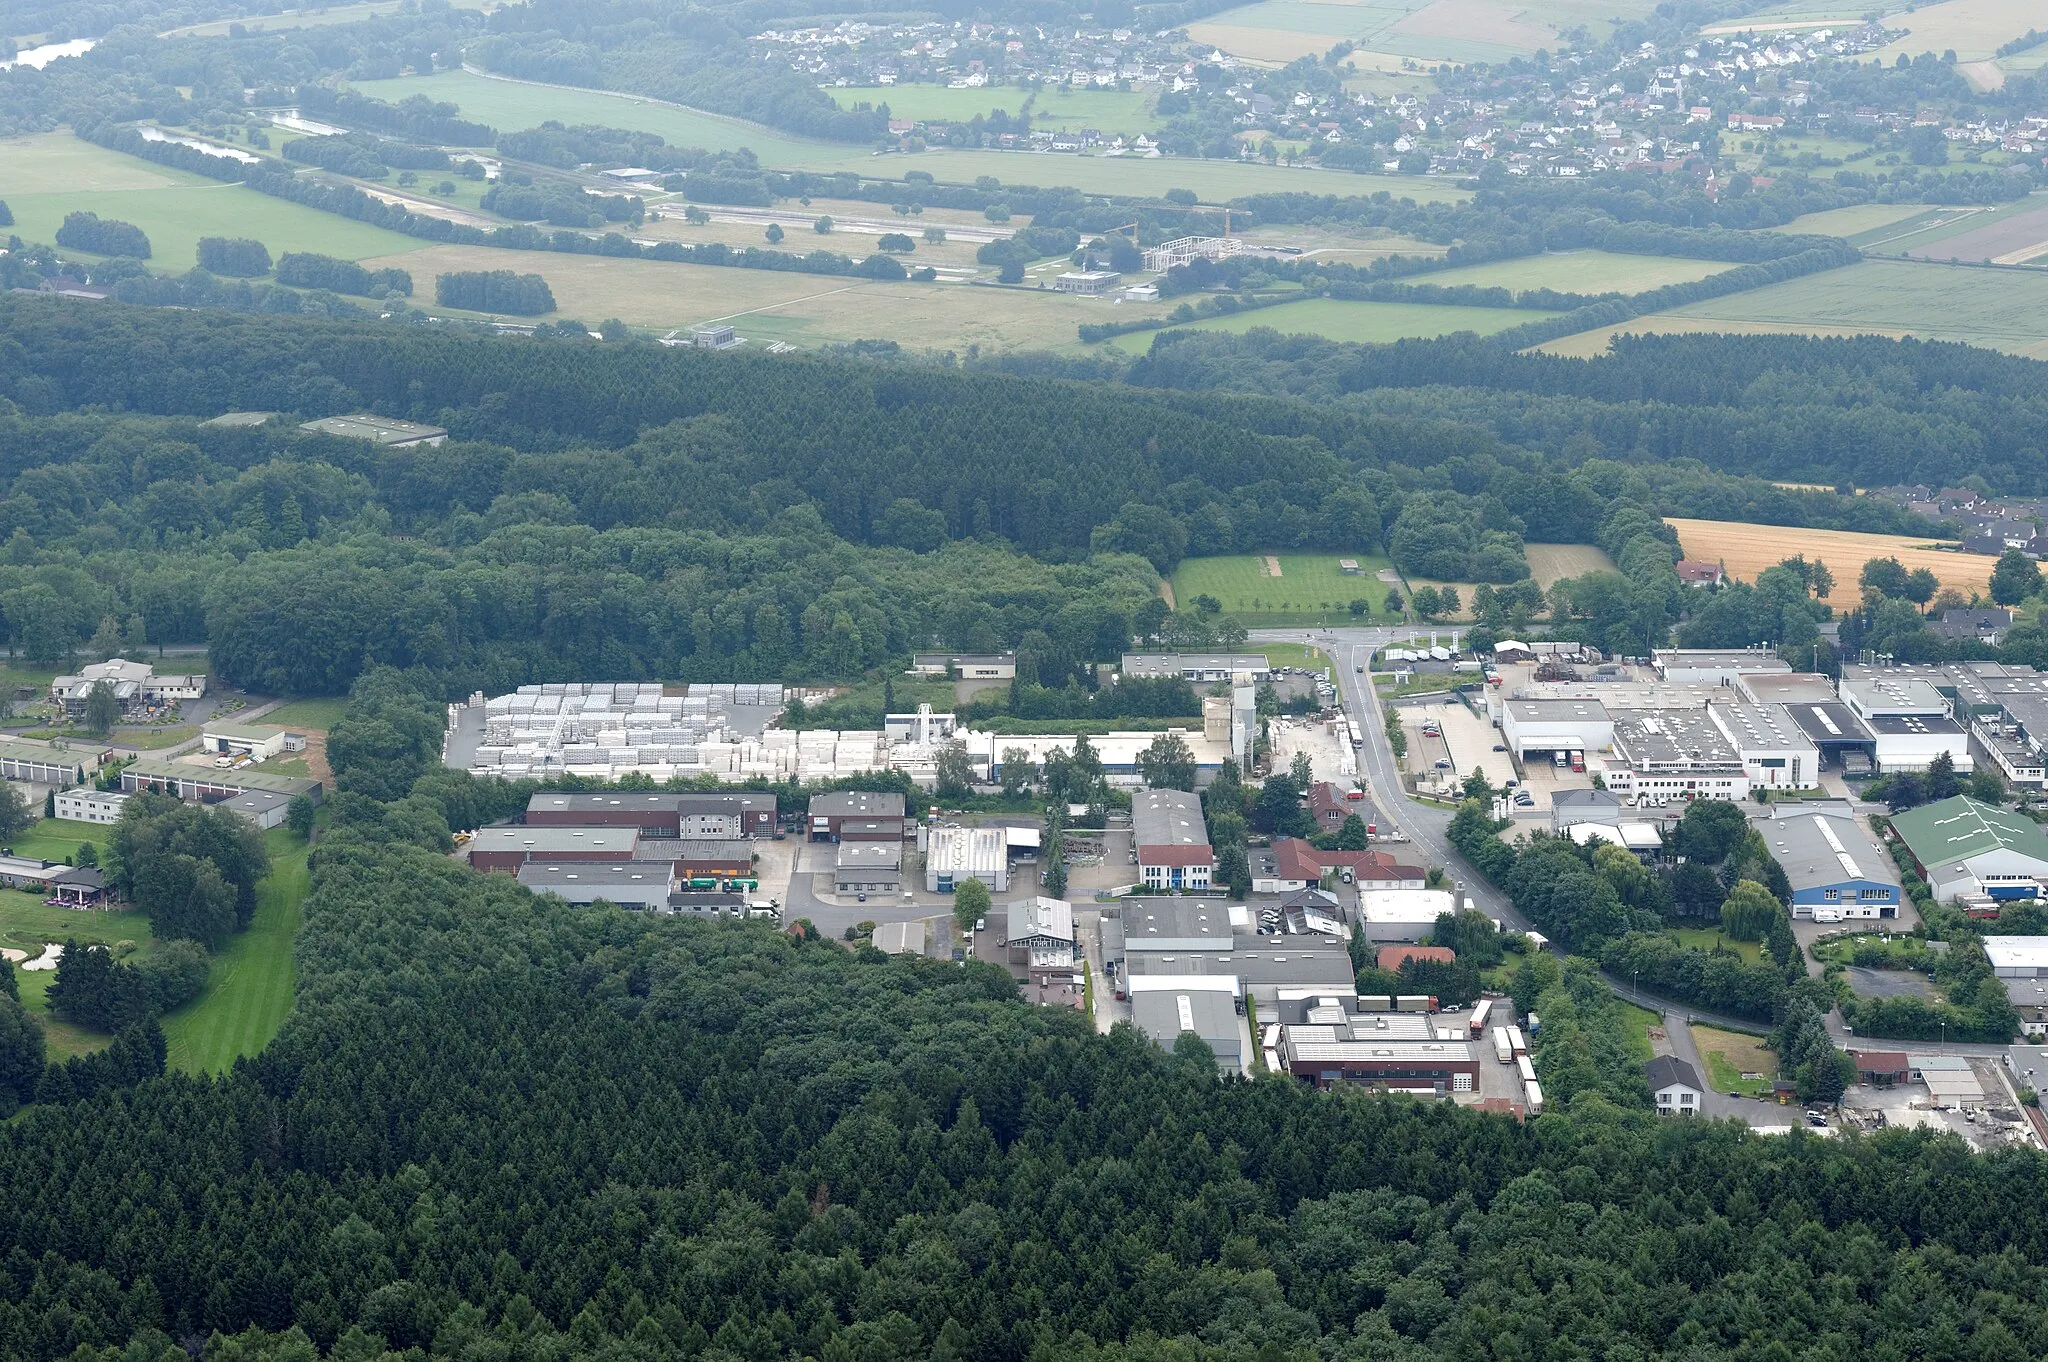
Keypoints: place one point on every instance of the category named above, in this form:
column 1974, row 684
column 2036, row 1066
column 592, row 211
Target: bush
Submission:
column 235, row 256
column 522, row 295
column 102, row 236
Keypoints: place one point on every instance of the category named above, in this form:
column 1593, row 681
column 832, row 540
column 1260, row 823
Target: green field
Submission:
column 1347, row 321
column 318, row 713
column 1056, row 108
column 1858, row 220
column 250, row 990
column 29, row 924
column 510, row 105
column 58, row 839
column 1707, row 938
column 172, row 208
column 1639, row 1020
column 1580, row 272
column 1309, row 587
column 306, row 18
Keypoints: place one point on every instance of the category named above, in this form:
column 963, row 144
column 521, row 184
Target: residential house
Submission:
column 1675, row 1085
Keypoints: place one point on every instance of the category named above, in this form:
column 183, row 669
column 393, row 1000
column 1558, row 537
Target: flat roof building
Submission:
column 656, row 813
column 1171, row 840
column 1546, row 726
column 868, row 868
column 211, row 785
column 91, row 806
column 644, row 885
column 1165, row 1015
column 242, row 740
column 1775, row 751
column 1716, row 666
column 1173, row 924
column 508, row 848
column 900, row 938
column 966, row 666
column 378, row 430
column 1836, row 869
column 1091, row 283
column 38, row 764
column 1403, row 914
column 1674, row 754
column 1200, row 667
column 1837, row 734
column 1326, row 1057
column 830, row 812
column 1786, row 688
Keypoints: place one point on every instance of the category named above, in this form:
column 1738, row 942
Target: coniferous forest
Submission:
column 497, row 1128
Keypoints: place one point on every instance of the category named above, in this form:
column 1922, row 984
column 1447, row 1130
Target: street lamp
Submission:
column 1634, row 996
column 1944, row 1033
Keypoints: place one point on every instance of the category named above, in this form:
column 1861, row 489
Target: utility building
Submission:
column 1837, row 871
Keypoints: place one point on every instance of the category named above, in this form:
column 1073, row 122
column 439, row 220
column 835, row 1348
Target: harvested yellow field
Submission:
column 1552, row 563
column 1746, row 549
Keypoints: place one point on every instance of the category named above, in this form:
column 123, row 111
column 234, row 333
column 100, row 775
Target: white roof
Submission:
column 1181, row 983
column 2017, row 952
column 1634, row 836
column 1406, row 905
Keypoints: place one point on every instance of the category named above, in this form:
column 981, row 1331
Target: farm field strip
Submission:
column 1309, row 585
column 1746, row 549
column 1339, row 320
column 1973, row 29
column 1056, row 108
column 1586, row 271
column 1552, row 563
column 1851, row 222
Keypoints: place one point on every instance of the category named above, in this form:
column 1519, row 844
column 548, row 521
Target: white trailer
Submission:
column 1525, row 1069
column 1502, row 1049
column 1515, row 1041
column 1533, row 1091
column 1479, row 1015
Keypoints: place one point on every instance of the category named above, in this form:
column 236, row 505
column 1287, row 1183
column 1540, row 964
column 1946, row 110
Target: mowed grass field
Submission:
column 1852, row 221
column 1999, row 309
column 768, row 305
column 1552, row 563
column 1057, row 108
column 48, row 176
column 1310, row 586
column 1975, row 29
column 1338, row 320
column 1426, row 30
column 512, row 105
column 250, row 990
column 1747, row 549
column 1729, row 1055
column 318, row 713
column 1579, row 272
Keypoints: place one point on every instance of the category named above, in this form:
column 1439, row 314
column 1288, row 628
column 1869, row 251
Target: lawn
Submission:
column 318, row 713
column 174, row 210
column 1347, row 321
column 512, row 105
column 1297, row 655
column 29, row 924
column 1580, row 272
column 1639, row 1020
column 1707, row 938
column 1056, row 108
column 1999, row 309
column 250, row 990
column 1310, row 586
column 1552, row 563
column 58, row 839
column 1729, row 1055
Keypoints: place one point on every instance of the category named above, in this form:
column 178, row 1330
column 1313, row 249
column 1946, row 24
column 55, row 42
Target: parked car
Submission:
column 1500, row 747
column 1443, row 764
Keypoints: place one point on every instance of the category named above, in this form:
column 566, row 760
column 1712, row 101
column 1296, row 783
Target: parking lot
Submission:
column 1331, row 758
column 1466, row 742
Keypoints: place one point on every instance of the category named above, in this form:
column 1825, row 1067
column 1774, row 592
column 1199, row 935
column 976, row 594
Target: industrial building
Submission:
column 378, row 430
column 508, row 848
column 966, row 666
column 874, row 815
column 1910, row 721
column 1341, row 1040
column 1539, row 728
column 1039, row 932
column 1201, row 668
column 868, row 868
column 1171, row 840
column 644, row 885
column 1674, row 754
column 1088, row 283
column 1583, row 806
column 1175, row 926
column 1837, row 735
column 1631, row 835
column 36, row 764
column 90, row 806
column 1717, row 666
column 1403, row 914
column 1837, row 871
column 266, row 809
column 1964, row 848
column 1121, row 753
column 1775, row 752
column 604, row 731
column 1210, row 1014
column 242, row 740
column 210, row 785
column 955, row 855
column 136, row 685
column 656, row 814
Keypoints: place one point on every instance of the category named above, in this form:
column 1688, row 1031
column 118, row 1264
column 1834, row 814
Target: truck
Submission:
column 1515, row 1041
column 1578, row 763
column 1525, row 1068
column 1479, row 1014
column 1415, row 1002
column 1503, row 1049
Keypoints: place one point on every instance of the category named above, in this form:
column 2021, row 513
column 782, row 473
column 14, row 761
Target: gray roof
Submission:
column 543, row 841
column 1164, row 1014
column 1761, row 727
column 1167, row 818
column 544, row 800
column 1829, row 722
column 1171, row 923
column 1039, row 916
column 643, row 881
column 857, row 804
column 1179, row 664
column 870, row 856
column 1664, row 1071
column 1823, row 844
column 1669, row 737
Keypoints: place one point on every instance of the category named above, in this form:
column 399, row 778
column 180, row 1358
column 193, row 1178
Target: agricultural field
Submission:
column 1729, row 1055
column 957, row 253
column 54, row 174
column 1999, row 309
column 1975, row 29
column 1339, row 320
column 1552, row 563
column 311, row 17
column 250, row 990
column 1352, row 247
column 768, row 305
column 511, row 105
column 1579, row 272
column 1310, row 586
column 1746, row 549
column 2008, row 238
column 1280, row 31
column 1852, row 222
column 1057, row 107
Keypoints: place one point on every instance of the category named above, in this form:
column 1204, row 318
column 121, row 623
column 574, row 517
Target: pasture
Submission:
column 1747, row 549
column 60, row 174
column 1975, row 29
column 509, row 105
column 768, row 305
column 1056, row 107
column 1998, row 309
column 1310, row 586
column 1579, row 272
column 250, row 989
column 1338, row 320
column 1550, row 564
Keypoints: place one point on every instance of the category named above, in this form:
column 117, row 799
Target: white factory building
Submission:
column 1533, row 728
column 1717, row 666
column 1403, row 914
column 1776, row 754
column 1674, row 754
column 1911, row 721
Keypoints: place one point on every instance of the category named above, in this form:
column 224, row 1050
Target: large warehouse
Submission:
column 1403, row 914
column 1837, row 871
column 1967, row 848
column 1541, row 727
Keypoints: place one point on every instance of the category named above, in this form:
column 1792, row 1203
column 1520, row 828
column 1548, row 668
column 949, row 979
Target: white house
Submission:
column 1675, row 1086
